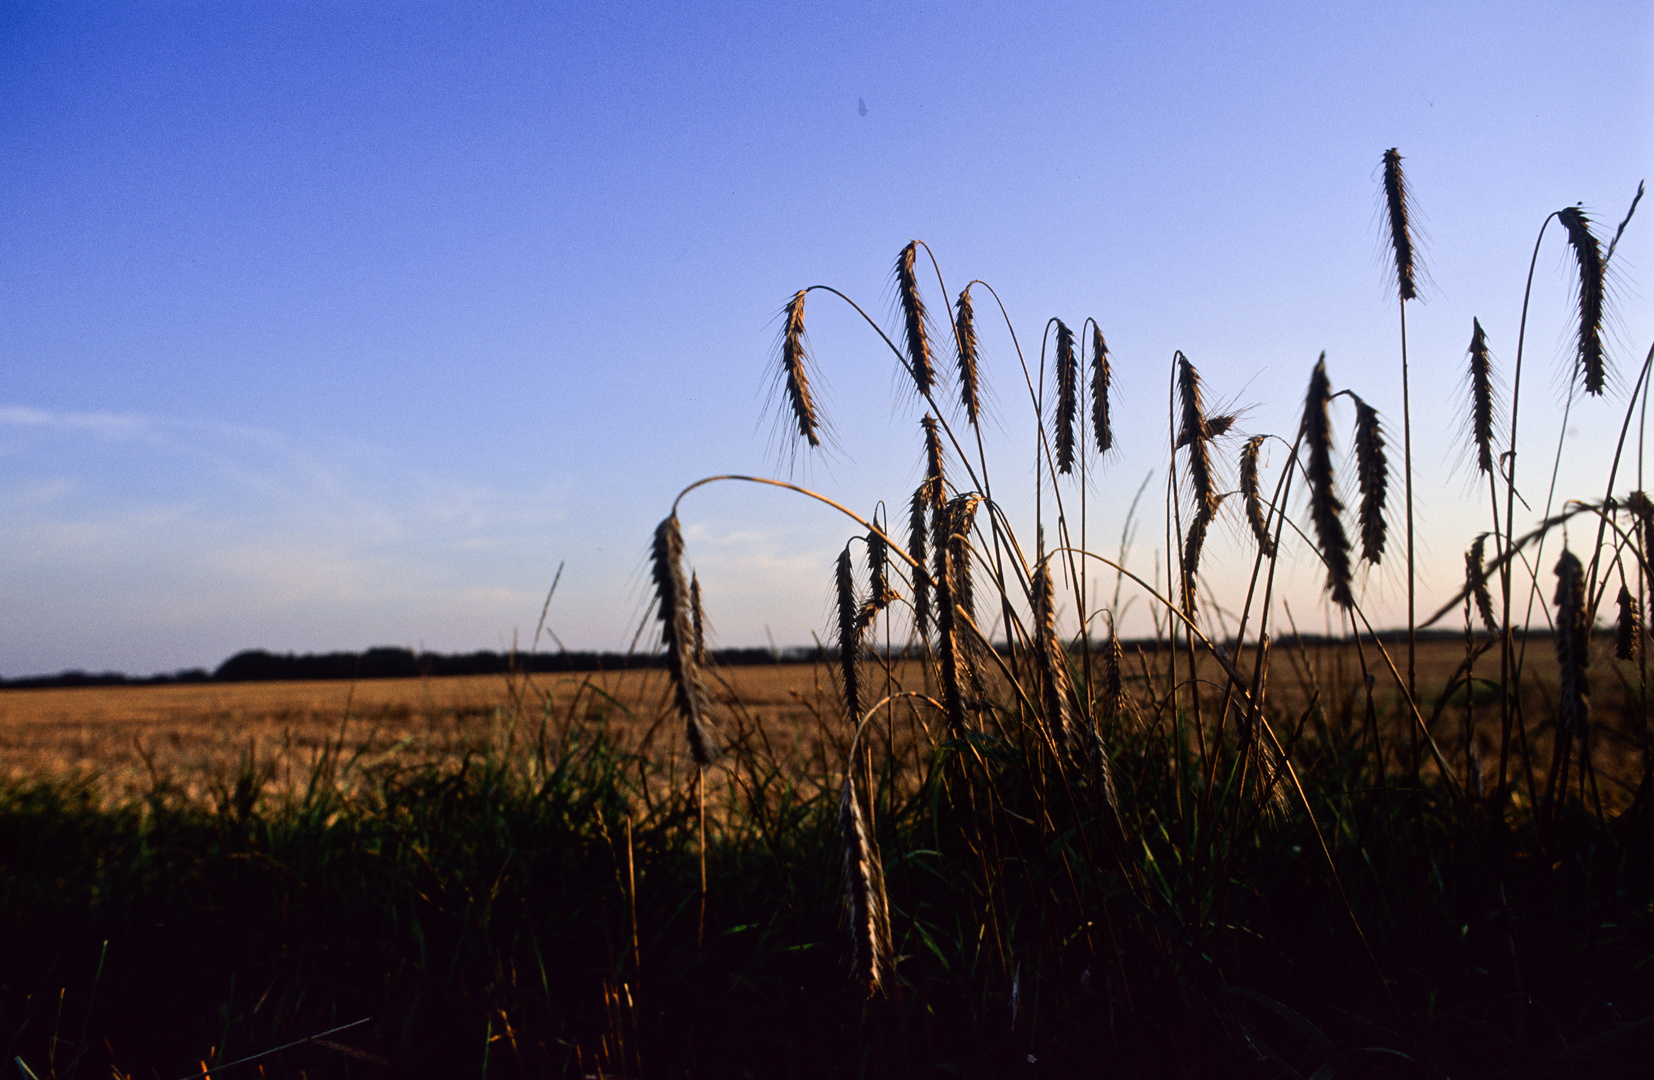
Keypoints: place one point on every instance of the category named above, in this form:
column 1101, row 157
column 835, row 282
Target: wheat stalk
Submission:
column 1324, row 506
column 1068, row 399
column 1100, row 377
column 1372, row 474
column 915, row 321
column 1588, row 254
column 677, row 633
column 1642, row 513
column 965, row 329
column 1255, row 518
column 794, row 373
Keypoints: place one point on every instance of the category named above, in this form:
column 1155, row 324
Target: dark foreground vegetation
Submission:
column 540, row 913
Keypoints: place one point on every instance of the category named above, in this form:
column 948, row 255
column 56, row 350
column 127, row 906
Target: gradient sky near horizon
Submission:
column 328, row 325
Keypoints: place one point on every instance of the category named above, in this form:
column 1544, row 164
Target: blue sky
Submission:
column 332, row 325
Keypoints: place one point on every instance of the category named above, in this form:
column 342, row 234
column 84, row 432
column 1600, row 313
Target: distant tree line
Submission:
column 390, row 662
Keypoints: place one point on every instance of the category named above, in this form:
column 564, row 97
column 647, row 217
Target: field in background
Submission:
column 128, row 736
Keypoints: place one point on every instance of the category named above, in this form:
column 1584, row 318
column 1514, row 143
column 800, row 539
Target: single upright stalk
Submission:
column 1412, row 577
column 1396, row 203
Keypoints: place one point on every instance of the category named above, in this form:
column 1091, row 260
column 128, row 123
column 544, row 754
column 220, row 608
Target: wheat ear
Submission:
column 1100, row 378
column 1628, row 628
column 1588, row 253
column 880, row 595
column 1397, row 202
column 1481, row 398
column 947, row 638
column 1372, row 474
column 1193, row 432
column 1053, row 665
column 864, row 891
column 849, row 635
column 918, row 542
column 1255, row 519
column 1068, row 399
column 677, row 633
column 1573, row 636
column 962, row 516
column 1204, row 513
column 698, row 618
column 1476, row 581
column 915, row 321
column 795, row 374
column 1324, row 506
column 965, row 327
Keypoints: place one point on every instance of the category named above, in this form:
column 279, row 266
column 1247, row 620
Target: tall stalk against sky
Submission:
column 1396, row 200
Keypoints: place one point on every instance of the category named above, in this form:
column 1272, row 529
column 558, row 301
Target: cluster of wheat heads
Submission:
column 1027, row 724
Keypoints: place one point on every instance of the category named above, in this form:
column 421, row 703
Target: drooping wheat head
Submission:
column 1192, row 546
column 1193, row 432
column 1588, row 254
column 1628, row 627
column 1100, row 377
column 795, row 374
column 1573, row 637
column 864, row 894
column 1255, row 518
column 1482, row 415
column 1324, row 506
column 1066, row 414
column 965, row 328
column 1372, row 474
column 672, row 607
column 1397, row 200
column 879, row 594
column 1475, row 578
column 915, row 321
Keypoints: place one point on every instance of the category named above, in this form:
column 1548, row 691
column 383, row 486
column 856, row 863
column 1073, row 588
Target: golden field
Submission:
column 129, row 736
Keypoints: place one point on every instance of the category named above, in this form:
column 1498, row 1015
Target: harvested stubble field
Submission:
column 194, row 734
